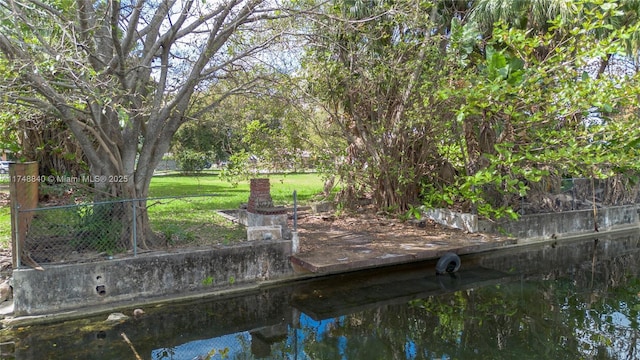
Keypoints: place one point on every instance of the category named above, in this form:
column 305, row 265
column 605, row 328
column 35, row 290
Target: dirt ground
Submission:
column 319, row 232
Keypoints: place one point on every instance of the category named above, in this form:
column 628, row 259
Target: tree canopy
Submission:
column 474, row 103
column 440, row 104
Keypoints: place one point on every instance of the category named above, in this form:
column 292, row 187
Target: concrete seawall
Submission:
column 542, row 226
column 554, row 225
column 69, row 287
column 156, row 276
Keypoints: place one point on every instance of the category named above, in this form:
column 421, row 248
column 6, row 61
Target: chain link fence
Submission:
column 78, row 233
column 93, row 231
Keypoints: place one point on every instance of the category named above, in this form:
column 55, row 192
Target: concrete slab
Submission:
column 331, row 245
column 454, row 219
column 361, row 251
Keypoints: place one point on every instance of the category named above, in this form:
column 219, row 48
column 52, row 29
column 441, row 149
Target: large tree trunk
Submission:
column 125, row 178
column 122, row 76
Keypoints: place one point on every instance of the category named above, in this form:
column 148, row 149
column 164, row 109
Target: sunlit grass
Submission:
column 192, row 218
column 230, row 196
column 192, row 221
column 5, row 227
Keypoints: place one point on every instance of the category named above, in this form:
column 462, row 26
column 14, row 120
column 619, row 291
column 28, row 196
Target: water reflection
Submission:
column 226, row 346
column 558, row 301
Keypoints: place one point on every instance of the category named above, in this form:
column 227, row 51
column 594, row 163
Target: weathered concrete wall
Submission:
column 546, row 226
column 273, row 232
column 456, row 220
column 64, row 287
column 250, row 219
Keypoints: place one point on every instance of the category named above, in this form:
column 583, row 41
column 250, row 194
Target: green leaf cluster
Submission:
column 538, row 107
column 476, row 111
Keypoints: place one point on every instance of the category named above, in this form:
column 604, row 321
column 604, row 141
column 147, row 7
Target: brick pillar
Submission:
column 260, row 195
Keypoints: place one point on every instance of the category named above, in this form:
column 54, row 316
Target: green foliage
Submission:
column 515, row 96
column 197, row 145
column 463, row 42
column 208, row 281
column 414, row 212
column 258, row 134
column 528, row 110
column 191, row 161
column 367, row 66
column 274, row 136
column 238, row 168
column 5, row 227
column 503, row 67
column 267, row 131
column 9, row 139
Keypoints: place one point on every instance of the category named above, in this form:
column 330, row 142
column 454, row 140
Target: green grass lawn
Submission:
column 5, row 227
column 306, row 185
column 193, row 220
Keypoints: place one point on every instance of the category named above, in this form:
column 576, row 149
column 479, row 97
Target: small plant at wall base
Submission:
column 208, row 281
column 414, row 212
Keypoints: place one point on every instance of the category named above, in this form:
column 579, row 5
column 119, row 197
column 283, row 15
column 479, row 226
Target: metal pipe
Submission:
column 135, row 230
column 295, row 210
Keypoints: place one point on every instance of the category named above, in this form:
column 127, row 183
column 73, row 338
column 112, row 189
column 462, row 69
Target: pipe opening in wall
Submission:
column 101, row 290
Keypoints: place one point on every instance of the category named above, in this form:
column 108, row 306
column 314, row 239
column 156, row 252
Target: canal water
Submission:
column 577, row 299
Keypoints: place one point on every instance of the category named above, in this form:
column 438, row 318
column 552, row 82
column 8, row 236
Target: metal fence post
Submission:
column 295, row 210
column 295, row 240
column 573, row 194
column 135, row 231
